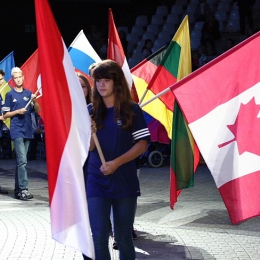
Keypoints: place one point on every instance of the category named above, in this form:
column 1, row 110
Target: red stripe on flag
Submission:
column 160, row 82
column 115, row 49
column 145, row 72
column 245, row 196
column 174, row 193
column 56, row 99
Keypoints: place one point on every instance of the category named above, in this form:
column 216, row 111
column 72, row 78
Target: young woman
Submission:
column 118, row 123
column 85, row 87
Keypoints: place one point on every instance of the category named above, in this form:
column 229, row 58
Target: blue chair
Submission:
column 157, row 19
column 138, row 29
column 141, row 20
column 154, row 28
column 148, row 35
column 132, row 37
column 177, row 9
column 173, row 19
column 123, row 28
column 195, row 38
column 162, row 10
column 233, row 26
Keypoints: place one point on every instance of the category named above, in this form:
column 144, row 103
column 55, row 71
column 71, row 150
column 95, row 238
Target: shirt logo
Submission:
column 14, row 100
column 118, row 122
column 25, row 98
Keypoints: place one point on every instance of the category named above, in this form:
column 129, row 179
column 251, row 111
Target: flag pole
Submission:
column 142, row 98
column 156, row 96
column 31, row 98
column 94, row 136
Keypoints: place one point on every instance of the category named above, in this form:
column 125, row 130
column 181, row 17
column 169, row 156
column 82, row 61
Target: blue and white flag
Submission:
column 82, row 53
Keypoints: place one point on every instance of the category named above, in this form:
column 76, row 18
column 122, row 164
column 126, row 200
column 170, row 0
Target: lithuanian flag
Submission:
column 175, row 65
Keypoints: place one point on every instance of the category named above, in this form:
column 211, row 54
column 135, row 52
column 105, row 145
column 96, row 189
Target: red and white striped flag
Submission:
column 116, row 52
column 67, row 126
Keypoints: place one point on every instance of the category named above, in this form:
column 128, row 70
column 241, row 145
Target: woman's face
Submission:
column 84, row 87
column 105, row 87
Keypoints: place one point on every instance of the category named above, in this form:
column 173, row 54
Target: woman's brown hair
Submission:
column 109, row 69
column 88, row 97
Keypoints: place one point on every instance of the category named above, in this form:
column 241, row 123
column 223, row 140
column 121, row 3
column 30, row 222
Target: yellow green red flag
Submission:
column 174, row 66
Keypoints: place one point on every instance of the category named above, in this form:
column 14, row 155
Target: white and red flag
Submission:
column 67, row 127
column 221, row 102
column 116, row 52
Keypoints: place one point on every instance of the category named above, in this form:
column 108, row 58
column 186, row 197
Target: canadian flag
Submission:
column 221, row 102
column 67, row 128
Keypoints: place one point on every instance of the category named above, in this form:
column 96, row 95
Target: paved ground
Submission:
column 198, row 228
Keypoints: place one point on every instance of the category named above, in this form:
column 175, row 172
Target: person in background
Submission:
column 230, row 43
column 20, row 129
column 117, row 122
column 2, row 73
column 85, row 87
column 203, row 58
column 147, row 49
column 210, row 31
column 202, row 10
column 245, row 9
column 38, row 133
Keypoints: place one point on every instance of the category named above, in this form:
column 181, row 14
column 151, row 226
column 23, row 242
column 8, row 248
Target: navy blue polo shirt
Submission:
column 21, row 125
column 114, row 141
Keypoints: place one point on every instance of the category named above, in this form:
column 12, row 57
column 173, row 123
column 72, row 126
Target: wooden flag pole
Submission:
column 156, row 96
column 31, row 98
column 101, row 155
column 143, row 96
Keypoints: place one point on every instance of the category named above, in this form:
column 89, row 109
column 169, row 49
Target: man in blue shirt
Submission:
column 20, row 128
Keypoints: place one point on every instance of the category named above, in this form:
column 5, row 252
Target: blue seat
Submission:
column 233, row 26
column 123, row 28
column 141, row 20
column 138, row 29
column 177, row 9
column 173, row 18
column 148, row 35
column 132, row 37
column 165, row 35
column 221, row 16
column 157, row 19
column 191, row 8
column 154, row 28
column 162, row 10
column 159, row 43
column 195, row 38
column 133, row 61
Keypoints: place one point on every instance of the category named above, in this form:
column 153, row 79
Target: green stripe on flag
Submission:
column 182, row 155
column 171, row 61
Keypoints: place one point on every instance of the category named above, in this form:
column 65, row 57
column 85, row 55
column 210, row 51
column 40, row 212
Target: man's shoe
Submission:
column 3, row 191
column 24, row 195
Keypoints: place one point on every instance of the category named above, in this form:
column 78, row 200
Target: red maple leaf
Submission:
column 246, row 129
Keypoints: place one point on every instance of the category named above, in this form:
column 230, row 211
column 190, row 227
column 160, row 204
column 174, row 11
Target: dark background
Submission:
column 17, row 21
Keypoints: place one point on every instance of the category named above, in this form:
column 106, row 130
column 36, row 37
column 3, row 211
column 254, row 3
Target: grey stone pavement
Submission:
column 198, row 228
